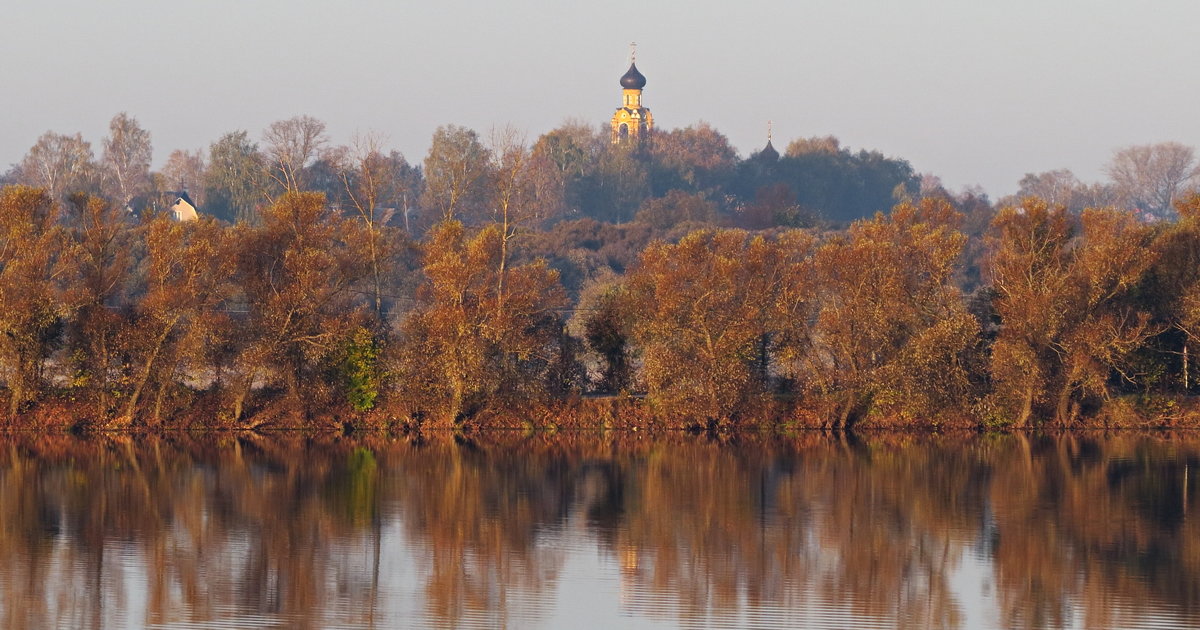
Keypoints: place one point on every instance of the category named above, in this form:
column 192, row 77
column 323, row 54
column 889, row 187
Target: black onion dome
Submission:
column 633, row 80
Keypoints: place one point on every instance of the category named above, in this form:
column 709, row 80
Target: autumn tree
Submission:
column 695, row 158
column 482, row 331
column 188, row 267
column 891, row 333
column 829, row 180
column 105, row 240
column 700, row 310
column 1065, row 298
column 1056, row 187
column 567, row 153
column 298, row 278
column 1172, row 294
column 616, row 184
column 35, row 258
column 677, row 207
column 373, row 184
column 126, row 160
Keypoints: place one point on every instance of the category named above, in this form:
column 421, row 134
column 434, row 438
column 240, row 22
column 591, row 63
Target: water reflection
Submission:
column 1083, row 531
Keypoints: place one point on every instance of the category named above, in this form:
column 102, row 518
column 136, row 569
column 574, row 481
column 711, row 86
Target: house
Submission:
column 183, row 209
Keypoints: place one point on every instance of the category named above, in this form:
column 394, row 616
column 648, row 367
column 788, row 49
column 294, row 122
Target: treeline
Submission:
column 315, row 312
column 575, row 170
column 502, row 280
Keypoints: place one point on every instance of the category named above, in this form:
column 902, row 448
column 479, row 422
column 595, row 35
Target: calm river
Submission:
column 576, row 531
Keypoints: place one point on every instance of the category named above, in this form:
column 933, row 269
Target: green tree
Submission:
column 236, row 180
column 457, row 175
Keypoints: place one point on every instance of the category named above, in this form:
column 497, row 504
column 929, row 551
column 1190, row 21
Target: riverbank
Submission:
column 592, row 413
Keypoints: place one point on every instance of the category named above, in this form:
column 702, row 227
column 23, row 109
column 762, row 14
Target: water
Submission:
column 578, row 531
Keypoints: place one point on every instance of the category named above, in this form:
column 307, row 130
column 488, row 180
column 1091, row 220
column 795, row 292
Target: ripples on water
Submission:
column 578, row 531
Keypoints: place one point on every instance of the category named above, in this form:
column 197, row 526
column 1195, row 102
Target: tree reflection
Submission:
column 300, row 531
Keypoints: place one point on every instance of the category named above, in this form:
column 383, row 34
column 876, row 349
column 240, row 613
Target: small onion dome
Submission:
column 633, row 80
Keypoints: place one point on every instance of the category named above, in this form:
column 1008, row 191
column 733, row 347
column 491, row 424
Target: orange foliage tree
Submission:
column 703, row 311
column 891, row 336
column 298, row 279
column 177, row 320
column 1065, row 295
column 34, row 264
column 483, row 330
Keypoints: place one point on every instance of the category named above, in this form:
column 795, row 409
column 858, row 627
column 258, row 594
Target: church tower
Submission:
column 632, row 123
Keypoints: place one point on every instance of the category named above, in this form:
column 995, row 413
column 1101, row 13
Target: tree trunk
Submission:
column 147, row 369
column 1062, row 409
column 1022, row 419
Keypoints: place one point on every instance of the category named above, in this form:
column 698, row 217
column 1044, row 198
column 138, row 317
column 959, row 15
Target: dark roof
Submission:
column 633, row 80
column 769, row 152
column 184, row 196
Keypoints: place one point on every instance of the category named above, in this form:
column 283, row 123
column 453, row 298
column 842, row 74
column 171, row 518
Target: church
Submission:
column 632, row 122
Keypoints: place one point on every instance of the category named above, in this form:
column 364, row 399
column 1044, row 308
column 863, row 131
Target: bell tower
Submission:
column 632, row 123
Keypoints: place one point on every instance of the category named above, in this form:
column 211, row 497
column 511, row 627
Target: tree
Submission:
column 696, row 158
column 61, row 164
column 603, row 321
column 568, row 152
column 298, row 275
column 1065, row 299
column 101, row 287
column 373, row 184
column 891, row 333
column 289, row 146
column 34, row 263
column 677, row 207
column 184, row 171
column 187, row 281
column 700, row 310
column 1057, row 187
column 815, row 144
column 457, row 175
column 1172, row 293
column 126, row 160
column 1151, row 177
column 235, row 182
column 474, row 340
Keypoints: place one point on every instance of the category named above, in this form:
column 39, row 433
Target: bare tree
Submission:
column 184, row 170
column 1058, row 187
column 290, row 145
column 126, row 160
column 372, row 184
column 1152, row 176
column 59, row 163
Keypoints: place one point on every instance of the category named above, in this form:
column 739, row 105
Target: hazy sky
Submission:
column 975, row 92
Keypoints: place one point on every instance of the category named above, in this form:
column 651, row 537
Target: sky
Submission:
column 976, row 92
